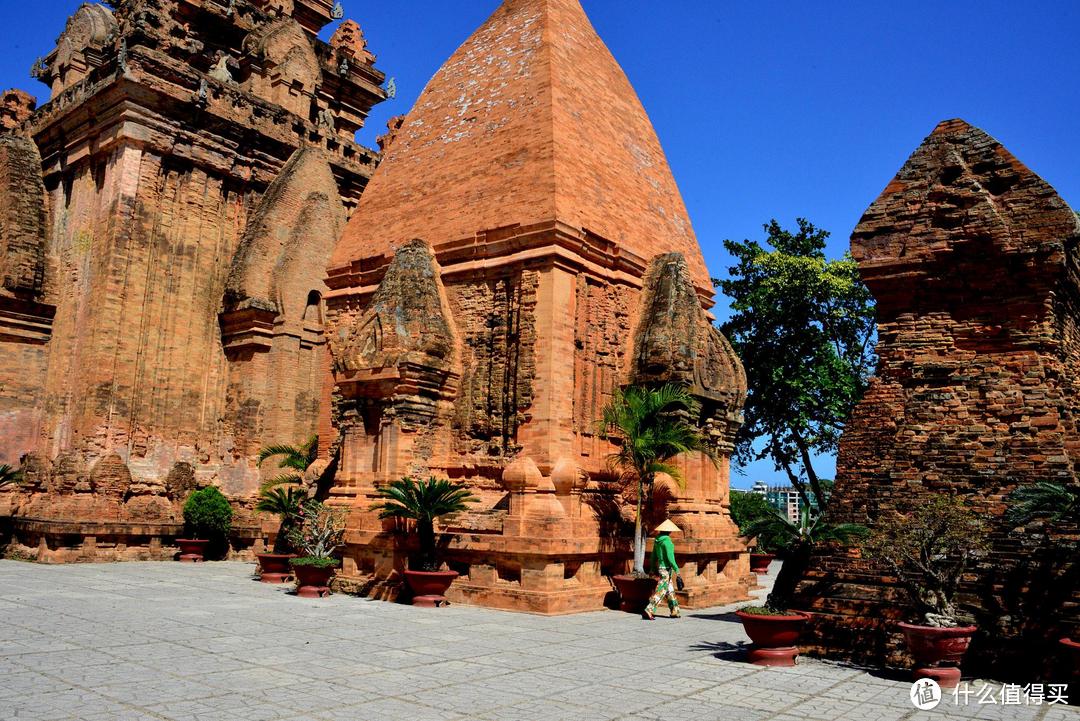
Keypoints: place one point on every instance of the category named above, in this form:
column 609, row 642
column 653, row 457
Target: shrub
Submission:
column 930, row 546
column 207, row 514
column 316, row 561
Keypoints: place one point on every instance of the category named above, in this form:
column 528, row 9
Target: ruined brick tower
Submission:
column 165, row 225
column 973, row 261
column 520, row 252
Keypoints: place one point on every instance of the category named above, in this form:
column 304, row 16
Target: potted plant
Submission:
column 317, row 533
column 774, row 628
column 285, row 502
column 1056, row 506
column 207, row 519
column 929, row 548
column 651, row 426
column 423, row 502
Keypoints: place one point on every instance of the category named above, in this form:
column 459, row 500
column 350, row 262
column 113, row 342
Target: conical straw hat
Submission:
column 667, row 526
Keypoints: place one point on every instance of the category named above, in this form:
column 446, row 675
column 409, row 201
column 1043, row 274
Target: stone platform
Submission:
column 177, row 641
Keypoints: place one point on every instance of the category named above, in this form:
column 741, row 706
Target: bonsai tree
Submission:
column 207, row 515
column 651, row 427
column 284, row 502
column 798, row 540
column 423, row 502
column 319, row 530
column 930, row 547
column 9, row 476
column 293, row 459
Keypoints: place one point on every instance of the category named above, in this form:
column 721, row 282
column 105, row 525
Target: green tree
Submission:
column 746, row 508
column 804, row 328
column 295, row 459
column 9, row 475
column 651, row 427
column 423, row 502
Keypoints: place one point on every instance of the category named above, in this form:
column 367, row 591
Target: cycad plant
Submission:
column 1047, row 501
column 423, row 502
column 651, row 427
column 9, row 475
column 285, row 502
column 797, row 539
column 294, row 459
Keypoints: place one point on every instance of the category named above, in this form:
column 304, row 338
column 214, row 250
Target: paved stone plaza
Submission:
column 178, row 641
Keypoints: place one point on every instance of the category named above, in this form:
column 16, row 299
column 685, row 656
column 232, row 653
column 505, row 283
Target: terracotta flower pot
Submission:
column 938, row 652
column 429, row 587
column 759, row 562
column 775, row 638
column 313, row 581
column 1072, row 651
column 191, row 549
column 634, row 593
column 274, row 567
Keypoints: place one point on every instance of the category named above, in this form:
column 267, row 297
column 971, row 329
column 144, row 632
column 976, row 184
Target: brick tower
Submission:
column 165, row 230
column 972, row 259
column 520, row 252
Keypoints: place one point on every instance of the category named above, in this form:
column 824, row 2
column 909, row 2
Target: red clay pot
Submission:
column 634, row 593
column 191, row 549
column 1072, row 650
column 274, row 567
column 938, row 651
column 775, row 638
column 759, row 562
column 429, row 587
column 313, row 581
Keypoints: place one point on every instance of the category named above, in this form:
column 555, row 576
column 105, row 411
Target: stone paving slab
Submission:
column 202, row 642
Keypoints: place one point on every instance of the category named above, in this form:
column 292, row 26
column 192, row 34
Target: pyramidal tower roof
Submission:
column 531, row 120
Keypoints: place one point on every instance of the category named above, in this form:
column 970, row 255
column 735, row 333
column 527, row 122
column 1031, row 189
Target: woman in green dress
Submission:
column 663, row 563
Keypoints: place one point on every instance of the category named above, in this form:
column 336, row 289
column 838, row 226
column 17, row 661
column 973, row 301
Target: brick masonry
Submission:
column 972, row 259
column 166, row 223
column 521, row 251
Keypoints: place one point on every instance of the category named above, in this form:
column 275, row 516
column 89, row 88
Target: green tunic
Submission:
column 663, row 554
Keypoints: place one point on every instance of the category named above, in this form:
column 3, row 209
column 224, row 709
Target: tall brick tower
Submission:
column 972, row 259
column 168, row 219
column 522, row 250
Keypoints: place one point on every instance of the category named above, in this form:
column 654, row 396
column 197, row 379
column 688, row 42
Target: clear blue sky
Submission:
column 766, row 108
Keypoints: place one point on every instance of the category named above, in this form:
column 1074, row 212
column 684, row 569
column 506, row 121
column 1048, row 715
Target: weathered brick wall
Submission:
column 497, row 323
column 971, row 258
column 172, row 125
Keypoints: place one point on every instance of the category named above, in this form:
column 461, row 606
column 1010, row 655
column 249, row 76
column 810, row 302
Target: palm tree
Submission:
column 423, row 502
column 295, row 458
column 798, row 539
column 1044, row 500
column 651, row 427
column 285, row 502
column 9, row 475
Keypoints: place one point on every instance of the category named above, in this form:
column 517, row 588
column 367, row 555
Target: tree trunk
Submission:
column 426, row 532
column 639, row 531
column 783, row 591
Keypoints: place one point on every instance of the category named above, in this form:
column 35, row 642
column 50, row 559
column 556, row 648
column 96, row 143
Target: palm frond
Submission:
column 422, row 500
column 282, row 501
column 9, row 475
column 280, row 480
column 1045, row 500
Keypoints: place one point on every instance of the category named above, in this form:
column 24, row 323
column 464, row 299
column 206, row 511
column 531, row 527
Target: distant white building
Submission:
column 783, row 498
